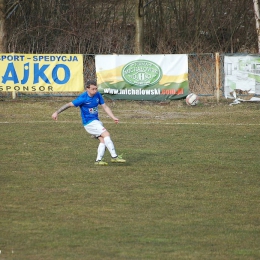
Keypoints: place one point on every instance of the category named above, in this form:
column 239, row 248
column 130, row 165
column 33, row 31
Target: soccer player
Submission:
column 88, row 103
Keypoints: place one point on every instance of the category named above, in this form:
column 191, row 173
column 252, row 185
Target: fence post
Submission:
column 217, row 75
column 14, row 95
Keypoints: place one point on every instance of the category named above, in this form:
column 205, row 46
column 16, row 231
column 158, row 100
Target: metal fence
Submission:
column 202, row 75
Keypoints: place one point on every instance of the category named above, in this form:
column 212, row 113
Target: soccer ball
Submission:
column 192, row 99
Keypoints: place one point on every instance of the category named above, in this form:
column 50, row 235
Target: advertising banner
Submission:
column 143, row 77
column 41, row 72
column 242, row 75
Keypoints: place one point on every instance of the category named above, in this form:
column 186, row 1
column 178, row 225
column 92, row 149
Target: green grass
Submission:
column 190, row 188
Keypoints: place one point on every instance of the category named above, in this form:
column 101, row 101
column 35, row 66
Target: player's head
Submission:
column 91, row 82
column 91, row 87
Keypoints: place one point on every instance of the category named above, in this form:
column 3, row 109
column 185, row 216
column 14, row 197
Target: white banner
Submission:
column 242, row 75
column 143, row 77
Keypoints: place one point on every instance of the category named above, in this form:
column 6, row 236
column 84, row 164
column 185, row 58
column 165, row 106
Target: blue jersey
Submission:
column 88, row 106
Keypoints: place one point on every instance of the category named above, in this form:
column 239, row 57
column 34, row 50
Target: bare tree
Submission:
column 256, row 9
column 128, row 26
column 139, row 27
column 2, row 27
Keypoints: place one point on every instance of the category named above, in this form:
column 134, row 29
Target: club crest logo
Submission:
column 142, row 73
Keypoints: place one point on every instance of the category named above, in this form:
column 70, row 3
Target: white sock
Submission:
column 110, row 146
column 100, row 151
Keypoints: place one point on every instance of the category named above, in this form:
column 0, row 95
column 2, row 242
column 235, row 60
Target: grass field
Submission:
column 190, row 188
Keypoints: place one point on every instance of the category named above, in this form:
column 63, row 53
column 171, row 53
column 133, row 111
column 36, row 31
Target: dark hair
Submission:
column 91, row 82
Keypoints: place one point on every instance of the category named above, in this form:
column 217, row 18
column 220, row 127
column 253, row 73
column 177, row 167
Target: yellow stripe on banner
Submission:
column 167, row 80
column 113, row 76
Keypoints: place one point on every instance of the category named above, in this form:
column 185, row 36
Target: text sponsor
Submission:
column 43, row 72
column 48, row 58
column 38, row 73
column 143, row 91
column 27, row 88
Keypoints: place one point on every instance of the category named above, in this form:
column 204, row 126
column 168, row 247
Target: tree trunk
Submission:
column 2, row 27
column 256, row 8
column 139, row 27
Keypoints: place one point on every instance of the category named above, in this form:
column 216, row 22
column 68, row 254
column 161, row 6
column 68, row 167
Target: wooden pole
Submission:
column 14, row 95
column 217, row 76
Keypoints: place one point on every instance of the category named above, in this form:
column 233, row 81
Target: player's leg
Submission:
column 109, row 143
column 95, row 129
column 111, row 148
column 101, row 150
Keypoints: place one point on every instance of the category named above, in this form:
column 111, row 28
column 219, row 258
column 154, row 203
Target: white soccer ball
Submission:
column 192, row 99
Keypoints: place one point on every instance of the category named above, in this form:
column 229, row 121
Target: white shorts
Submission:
column 95, row 128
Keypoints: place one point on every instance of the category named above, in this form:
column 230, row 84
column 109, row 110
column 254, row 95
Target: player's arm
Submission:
column 109, row 112
column 61, row 109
